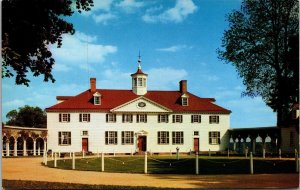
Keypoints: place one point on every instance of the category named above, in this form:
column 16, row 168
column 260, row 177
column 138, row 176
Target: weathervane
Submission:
column 139, row 61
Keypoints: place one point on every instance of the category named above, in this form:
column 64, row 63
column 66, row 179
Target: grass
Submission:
column 24, row 184
column 185, row 165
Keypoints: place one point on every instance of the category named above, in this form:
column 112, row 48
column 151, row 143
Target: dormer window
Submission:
column 97, row 98
column 184, row 100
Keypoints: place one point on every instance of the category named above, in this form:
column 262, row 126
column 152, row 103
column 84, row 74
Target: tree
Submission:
column 29, row 27
column 27, row 116
column 262, row 44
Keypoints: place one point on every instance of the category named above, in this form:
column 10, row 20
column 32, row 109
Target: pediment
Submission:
column 141, row 104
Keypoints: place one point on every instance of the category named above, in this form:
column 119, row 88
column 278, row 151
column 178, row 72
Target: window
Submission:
column 184, row 101
column 64, row 117
column 140, row 82
column 127, row 137
column 141, row 118
column 111, row 137
column 134, row 81
column 195, row 118
column 127, row 118
column 213, row 119
column 214, row 137
column 64, row 138
column 111, row 118
column 163, row 137
column 196, row 133
column 144, row 82
column 97, row 100
column 177, row 137
column 84, row 117
column 177, row 118
column 164, row 118
column 85, row 133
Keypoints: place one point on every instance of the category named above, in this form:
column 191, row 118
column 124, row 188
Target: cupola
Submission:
column 139, row 80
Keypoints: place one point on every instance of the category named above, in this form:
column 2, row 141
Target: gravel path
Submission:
column 31, row 169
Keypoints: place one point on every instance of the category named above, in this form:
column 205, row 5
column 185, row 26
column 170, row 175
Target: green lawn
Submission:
column 185, row 165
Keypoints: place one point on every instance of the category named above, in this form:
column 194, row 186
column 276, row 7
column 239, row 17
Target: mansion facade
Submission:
column 137, row 120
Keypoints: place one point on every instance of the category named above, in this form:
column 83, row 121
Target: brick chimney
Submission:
column 93, row 84
column 183, row 86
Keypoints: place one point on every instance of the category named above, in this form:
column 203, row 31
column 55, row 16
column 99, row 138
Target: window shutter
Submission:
column 180, row 118
column 173, row 118
column 158, row 118
column 158, row 137
column 80, row 117
column 167, row 137
column 137, row 118
column 106, row 118
column 131, row 118
column 145, row 118
column 167, row 116
column 106, row 137
column 192, row 118
column 116, row 137
column 69, row 136
column 89, row 117
column 115, row 118
column 217, row 119
column 123, row 118
column 59, row 137
column 173, row 137
column 209, row 134
column 199, row 118
column 69, row 118
column 60, row 117
column 123, row 138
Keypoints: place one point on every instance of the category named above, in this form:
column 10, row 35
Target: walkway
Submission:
column 31, row 169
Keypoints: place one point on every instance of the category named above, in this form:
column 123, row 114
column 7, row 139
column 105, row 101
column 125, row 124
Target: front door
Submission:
column 142, row 143
column 85, row 144
column 196, row 144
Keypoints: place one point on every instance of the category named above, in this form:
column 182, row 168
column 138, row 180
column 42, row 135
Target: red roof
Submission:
column 139, row 71
column 63, row 97
column 113, row 98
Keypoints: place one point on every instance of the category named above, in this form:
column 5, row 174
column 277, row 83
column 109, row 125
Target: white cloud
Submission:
column 14, row 103
column 78, row 50
column 176, row 14
column 103, row 18
column 130, row 5
column 103, row 5
column 61, row 67
column 165, row 78
column 114, row 79
column 174, row 48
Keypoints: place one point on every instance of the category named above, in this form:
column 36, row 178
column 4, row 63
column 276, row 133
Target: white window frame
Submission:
column 127, row 137
column 84, row 133
column 185, row 101
column 140, row 82
column 111, row 137
column 111, row 118
column 196, row 133
column 84, row 117
column 163, row 118
column 214, row 119
column 141, row 118
column 177, row 118
column 64, row 117
column 196, row 118
column 163, row 137
column 64, row 138
column 127, row 118
column 214, row 137
column 177, row 137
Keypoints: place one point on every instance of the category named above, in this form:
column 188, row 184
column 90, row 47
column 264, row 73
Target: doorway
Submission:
column 142, row 143
column 85, row 144
column 196, row 144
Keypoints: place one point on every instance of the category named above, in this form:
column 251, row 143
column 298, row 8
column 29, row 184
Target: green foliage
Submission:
column 27, row 116
column 262, row 43
column 29, row 27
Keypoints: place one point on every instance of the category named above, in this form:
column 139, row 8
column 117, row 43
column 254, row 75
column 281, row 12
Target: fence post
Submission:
column 102, row 162
column 228, row 153
column 208, row 152
column 59, row 154
column 145, row 164
column 297, row 162
column 264, row 153
column 279, row 152
column 55, row 160
column 45, row 158
column 177, row 153
column 197, row 163
column 73, row 161
column 52, row 155
column 251, row 163
column 246, row 152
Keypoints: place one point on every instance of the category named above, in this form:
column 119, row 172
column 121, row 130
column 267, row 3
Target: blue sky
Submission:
column 177, row 40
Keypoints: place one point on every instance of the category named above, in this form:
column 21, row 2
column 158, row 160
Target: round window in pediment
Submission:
column 141, row 104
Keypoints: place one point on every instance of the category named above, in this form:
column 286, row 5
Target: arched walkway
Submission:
column 20, row 146
column 11, row 145
column 29, row 146
column 39, row 146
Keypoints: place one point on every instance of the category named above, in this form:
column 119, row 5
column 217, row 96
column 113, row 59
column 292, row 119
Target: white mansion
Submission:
column 136, row 120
